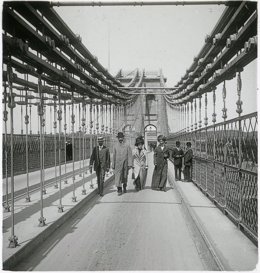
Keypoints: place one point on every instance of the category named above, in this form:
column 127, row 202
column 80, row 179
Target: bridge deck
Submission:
column 146, row 230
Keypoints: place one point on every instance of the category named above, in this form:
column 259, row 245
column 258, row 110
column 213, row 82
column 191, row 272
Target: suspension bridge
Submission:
column 61, row 98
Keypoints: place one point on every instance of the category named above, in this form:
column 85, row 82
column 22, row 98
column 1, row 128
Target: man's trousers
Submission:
column 177, row 169
column 100, row 172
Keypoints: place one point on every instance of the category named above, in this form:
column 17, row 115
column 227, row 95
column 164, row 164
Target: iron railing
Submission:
column 225, row 167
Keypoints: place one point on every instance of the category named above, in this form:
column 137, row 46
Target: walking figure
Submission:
column 177, row 155
column 161, row 154
column 101, row 158
column 121, row 163
column 139, row 164
column 188, row 163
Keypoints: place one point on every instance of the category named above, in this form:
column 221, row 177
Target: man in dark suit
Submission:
column 188, row 163
column 177, row 155
column 101, row 158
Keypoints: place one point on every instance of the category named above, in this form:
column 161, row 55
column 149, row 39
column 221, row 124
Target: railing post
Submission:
column 50, row 98
column 110, row 118
column 79, row 139
column 5, row 118
column 199, row 123
column 191, row 116
column 13, row 240
column 206, row 140
column 55, row 141
column 26, row 120
column 43, row 148
column 85, row 133
column 239, row 111
column 65, row 143
column 40, row 114
column 91, row 108
column 102, row 118
column 30, row 114
column 188, row 117
column 21, row 95
column 74, row 198
column 224, row 116
column 97, row 123
column 195, row 109
column 214, row 115
column 106, row 120
column 83, row 120
column 60, row 207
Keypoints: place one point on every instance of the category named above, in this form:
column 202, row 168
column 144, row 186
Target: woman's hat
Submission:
column 160, row 137
column 120, row 135
column 138, row 141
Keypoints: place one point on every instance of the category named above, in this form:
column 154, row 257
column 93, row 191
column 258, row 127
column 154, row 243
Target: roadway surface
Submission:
column 143, row 230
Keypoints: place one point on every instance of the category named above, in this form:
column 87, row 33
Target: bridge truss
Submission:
column 50, row 75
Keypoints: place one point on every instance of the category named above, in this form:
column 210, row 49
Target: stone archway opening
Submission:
column 150, row 136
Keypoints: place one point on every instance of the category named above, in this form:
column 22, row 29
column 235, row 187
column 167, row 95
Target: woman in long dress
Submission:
column 161, row 154
column 139, row 164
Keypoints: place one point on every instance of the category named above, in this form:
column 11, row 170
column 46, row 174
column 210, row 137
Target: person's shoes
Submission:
column 101, row 194
column 164, row 189
column 124, row 186
column 125, row 191
column 119, row 191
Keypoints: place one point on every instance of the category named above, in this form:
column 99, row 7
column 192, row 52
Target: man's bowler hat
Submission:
column 120, row 135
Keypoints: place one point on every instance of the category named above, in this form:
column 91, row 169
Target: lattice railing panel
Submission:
column 220, row 183
column 203, row 174
column 232, row 145
column 203, row 143
column 220, row 142
column 196, row 169
column 210, row 177
column 232, row 188
column 249, row 144
column 249, row 201
column 193, row 171
column 210, row 143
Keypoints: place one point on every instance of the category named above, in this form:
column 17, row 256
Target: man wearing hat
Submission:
column 177, row 155
column 188, row 163
column 121, row 163
column 101, row 158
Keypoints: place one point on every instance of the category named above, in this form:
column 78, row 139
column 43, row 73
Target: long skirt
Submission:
column 159, row 178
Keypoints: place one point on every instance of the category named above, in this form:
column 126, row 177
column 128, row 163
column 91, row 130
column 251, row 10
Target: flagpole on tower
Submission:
column 108, row 41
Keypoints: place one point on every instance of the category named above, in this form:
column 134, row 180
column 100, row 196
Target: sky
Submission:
column 149, row 37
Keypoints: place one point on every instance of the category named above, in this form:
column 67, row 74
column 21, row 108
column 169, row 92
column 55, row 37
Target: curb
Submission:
column 205, row 247
column 24, row 251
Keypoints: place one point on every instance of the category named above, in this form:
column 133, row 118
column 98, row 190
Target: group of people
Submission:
column 125, row 159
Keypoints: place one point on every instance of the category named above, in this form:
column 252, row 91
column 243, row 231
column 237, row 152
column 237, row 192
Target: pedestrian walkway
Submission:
column 142, row 230
column 232, row 248
column 27, row 213
column 179, row 229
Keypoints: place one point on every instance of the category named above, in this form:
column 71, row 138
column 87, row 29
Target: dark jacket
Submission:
column 161, row 156
column 188, row 157
column 103, row 160
column 177, row 155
